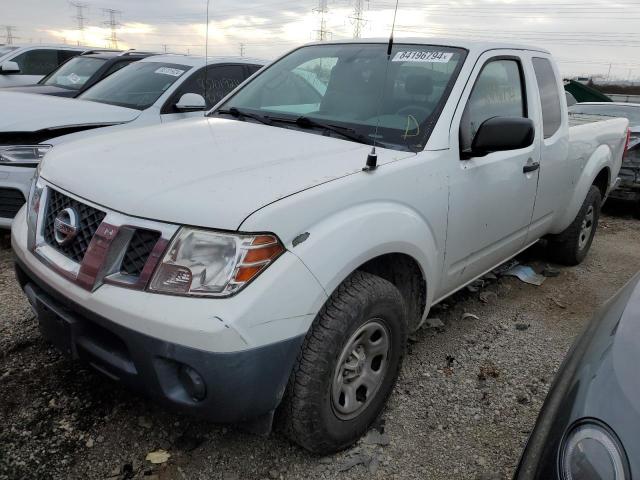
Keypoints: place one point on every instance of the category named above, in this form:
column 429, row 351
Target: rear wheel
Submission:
column 348, row 365
column 571, row 246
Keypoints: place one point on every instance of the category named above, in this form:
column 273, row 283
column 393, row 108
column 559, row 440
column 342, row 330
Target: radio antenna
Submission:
column 372, row 158
column 206, row 56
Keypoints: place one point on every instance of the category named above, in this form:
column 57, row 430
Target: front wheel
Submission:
column 571, row 246
column 348, row 365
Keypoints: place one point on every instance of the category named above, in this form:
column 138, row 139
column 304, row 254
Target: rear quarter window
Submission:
column 549, row 96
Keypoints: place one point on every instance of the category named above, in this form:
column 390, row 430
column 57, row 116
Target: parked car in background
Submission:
column 157, row 89
column 277, row 253
column 629, row 186
column 588, row 426
column 27, row 64
column 80, row 73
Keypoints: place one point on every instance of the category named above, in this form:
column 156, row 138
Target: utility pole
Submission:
column 358, row 18
column 80, row 18
column 322, row 33
column 164, row 47
column 10, row 36
column 242, row 49
column 113, row 25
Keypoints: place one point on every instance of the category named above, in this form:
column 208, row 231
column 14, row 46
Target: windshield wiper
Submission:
column 237, row 113
column 306, row 122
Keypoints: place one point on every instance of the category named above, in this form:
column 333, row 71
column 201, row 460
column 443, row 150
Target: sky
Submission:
column 588, row 37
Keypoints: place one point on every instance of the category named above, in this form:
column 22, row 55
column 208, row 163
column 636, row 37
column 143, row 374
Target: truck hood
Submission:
column 28, row 112
column 209, row 172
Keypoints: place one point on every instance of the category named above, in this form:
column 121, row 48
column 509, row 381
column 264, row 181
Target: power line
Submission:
column 80, row 18
column 113, row 25
column 358, row 18
column 322, row 33
column 10, row 37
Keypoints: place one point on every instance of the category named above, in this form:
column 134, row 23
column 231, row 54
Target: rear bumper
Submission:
column 221, row 387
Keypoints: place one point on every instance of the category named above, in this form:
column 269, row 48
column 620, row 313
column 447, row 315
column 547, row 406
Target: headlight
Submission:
column 23, row 155
column 593, row 451
column 206, row 263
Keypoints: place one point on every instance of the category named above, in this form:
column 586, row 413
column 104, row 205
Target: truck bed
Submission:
column 576, row 119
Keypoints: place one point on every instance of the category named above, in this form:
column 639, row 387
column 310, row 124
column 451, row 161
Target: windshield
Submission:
column 631, row 112
column 74, row 73
column 342, row 85
column 137, row 86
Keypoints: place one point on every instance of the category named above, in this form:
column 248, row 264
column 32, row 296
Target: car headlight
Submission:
column 23, row 155
column 592, row 450
column 215, row 264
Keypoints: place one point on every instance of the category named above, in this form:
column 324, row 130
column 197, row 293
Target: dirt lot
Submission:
column 468, row 396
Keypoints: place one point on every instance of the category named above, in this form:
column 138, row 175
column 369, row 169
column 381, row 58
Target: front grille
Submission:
column 138, row 251
column 89, row 219
column 11, row 200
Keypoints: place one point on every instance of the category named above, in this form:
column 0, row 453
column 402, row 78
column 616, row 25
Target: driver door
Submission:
column 491, row 197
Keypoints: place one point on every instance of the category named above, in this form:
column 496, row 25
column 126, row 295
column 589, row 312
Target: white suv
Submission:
column 27, row 64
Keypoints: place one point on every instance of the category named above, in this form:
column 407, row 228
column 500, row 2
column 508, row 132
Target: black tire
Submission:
column 572, row 246
column 307, row 414
column 636, row 210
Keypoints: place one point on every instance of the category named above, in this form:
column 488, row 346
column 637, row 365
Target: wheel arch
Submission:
column 387, row 239
column 596, row 171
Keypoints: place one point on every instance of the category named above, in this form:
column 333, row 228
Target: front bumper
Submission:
column 229, row 387
column 14, row 178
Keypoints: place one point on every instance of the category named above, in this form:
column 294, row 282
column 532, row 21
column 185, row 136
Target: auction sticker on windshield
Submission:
column 421, row 56
column 174, row 72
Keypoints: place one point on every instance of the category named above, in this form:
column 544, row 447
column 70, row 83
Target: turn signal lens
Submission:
column 206, row 263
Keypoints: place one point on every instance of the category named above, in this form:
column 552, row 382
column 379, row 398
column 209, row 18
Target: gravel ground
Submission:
column 466, row 400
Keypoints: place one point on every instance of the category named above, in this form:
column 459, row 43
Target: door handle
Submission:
column 532, row 167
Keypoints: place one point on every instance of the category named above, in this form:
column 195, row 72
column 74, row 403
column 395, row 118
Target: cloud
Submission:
column 586, row 35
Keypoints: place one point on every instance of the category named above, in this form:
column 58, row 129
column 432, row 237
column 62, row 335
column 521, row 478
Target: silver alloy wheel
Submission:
column 587, row 227
column 361, row 368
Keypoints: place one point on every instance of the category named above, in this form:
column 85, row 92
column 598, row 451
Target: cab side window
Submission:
column 549, row 96
column 37, row 62
column 498, row 92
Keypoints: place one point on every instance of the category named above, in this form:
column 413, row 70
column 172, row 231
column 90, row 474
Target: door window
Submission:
column 498, row 92
column 219, row 81
column 37, row 62
column 549, row 96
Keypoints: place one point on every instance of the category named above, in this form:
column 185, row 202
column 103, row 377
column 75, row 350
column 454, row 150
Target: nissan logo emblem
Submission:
column 65, row 226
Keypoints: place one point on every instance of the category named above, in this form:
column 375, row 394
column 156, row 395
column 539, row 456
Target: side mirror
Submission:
column 502, row 133
column 191, row 102
column 10, row 67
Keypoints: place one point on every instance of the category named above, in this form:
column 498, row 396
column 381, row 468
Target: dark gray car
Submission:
column 589, row 426
column 80, row 73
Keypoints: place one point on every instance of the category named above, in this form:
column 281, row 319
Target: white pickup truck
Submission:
column 245, row 264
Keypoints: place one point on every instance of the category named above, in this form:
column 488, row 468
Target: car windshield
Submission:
column 341, row 89
column 137, row 86
column 631, row 112
column 74, row 73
